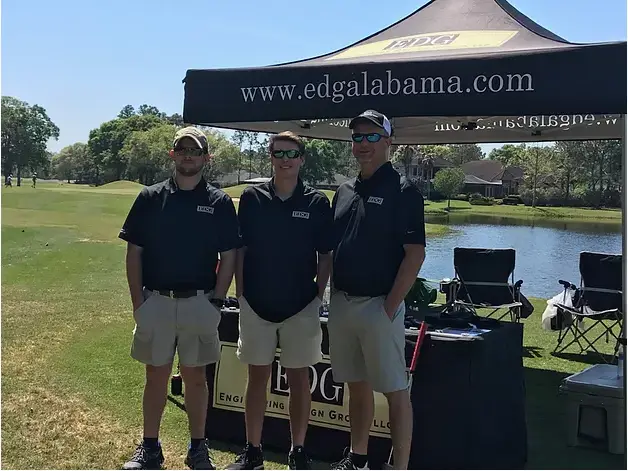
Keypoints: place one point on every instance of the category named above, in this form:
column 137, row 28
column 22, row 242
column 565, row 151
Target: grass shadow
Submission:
column 532, row 352
column 588, row 357
column 269, row 455
column 176, row 402
column 547, row 434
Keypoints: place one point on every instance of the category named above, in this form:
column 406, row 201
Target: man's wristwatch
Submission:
column 217, row 302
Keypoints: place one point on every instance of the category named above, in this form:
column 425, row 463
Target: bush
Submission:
column 460, row 197
column 512, row 200
column 477, row 199
column 578, row 198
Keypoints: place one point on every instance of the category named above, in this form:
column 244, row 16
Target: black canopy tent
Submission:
column 453, row 71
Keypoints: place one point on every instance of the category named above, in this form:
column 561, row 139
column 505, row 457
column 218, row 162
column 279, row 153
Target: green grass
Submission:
column 519, row 212
column 526, row 212
column 71, row 394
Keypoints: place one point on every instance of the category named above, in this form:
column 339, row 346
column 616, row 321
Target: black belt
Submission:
column 189, row 293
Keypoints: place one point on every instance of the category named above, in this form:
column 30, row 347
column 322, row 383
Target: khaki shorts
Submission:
column 299, row 337
column 364, row 344
column 189, row 325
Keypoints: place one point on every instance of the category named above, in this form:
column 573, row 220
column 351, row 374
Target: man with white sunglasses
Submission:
column 379, row 234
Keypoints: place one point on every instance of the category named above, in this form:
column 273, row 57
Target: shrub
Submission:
column 512, row 200
column 579, row 197
column 460, row 197
column 478, row 200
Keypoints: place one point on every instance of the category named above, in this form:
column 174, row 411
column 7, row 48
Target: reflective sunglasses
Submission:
column 189, row 152
column 291, row 154
column 371, row 137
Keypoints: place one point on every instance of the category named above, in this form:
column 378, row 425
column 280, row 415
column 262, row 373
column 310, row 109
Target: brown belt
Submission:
column 190, row 293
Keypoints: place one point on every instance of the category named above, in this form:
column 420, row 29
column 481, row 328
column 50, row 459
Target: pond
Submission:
column 546, row 250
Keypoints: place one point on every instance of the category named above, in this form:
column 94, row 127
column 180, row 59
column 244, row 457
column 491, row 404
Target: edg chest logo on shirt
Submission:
column 375, row 200
column 300, row 214
column 205, row 209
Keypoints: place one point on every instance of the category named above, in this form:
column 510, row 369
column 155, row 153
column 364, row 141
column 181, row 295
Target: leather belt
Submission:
column 190, row 293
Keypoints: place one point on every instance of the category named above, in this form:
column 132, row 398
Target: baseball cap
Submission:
column 193, row 133
column 375, row 117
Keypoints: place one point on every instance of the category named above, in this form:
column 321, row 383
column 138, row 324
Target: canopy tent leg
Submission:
column 623, row 245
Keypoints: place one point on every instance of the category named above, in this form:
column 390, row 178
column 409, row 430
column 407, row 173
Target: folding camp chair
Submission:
column 598, row 302
column 484, row 278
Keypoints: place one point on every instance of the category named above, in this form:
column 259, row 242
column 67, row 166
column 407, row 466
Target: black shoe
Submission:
column 347, row 462
column 249, row 458
column 198, row 458
column 145, row 458
column 297, row 459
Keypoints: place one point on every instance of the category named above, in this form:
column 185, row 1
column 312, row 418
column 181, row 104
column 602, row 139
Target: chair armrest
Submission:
column 567, row 284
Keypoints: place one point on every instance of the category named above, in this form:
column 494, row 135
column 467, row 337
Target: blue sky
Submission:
column 84, row 60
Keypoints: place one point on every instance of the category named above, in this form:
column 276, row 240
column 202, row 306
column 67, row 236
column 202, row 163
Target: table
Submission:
column 468, row 402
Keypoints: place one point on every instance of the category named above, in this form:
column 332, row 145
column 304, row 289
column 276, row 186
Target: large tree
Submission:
column 106, row 142
column 321, row 161
column 510, row 154
column 538, row 164
column 463, row 153
column 449, row 182
column 225, row 155
column 147, row 153
column 26, row 131
column 74, row 162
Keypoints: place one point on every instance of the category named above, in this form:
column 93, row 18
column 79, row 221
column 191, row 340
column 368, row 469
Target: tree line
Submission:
column 566, row 173
column 134, row 146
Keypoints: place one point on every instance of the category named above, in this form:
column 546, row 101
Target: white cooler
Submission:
column 596, row 414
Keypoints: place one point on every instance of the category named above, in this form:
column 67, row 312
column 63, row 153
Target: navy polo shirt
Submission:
column 373, row 219
column 282, row 240
column 181, row 233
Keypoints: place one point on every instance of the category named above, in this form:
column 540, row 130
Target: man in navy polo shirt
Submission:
column 174, row 233
column 379, row 234
column 281, row 274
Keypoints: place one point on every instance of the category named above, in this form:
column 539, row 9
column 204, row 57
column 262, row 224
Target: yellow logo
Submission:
column 429, row 42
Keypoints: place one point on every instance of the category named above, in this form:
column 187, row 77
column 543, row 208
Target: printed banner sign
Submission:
column 437, row 41
column 330, row 400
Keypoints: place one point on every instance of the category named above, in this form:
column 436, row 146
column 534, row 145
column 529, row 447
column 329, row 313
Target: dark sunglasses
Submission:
column 371, row 137
column 291, row 154
column 189, row 152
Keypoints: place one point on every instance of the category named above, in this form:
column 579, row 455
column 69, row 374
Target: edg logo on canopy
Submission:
column 442, row 40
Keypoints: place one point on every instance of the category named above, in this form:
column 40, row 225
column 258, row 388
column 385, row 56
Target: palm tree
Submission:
column 427, row 171
column 404, row 154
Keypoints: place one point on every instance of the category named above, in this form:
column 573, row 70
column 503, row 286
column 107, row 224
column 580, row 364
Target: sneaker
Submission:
column 347, row 463
column 248, row 458
column 297, row 459
column 198, row 458
column 145, row 458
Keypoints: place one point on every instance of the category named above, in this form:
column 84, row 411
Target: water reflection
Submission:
column 591, row 226
column 546, row 250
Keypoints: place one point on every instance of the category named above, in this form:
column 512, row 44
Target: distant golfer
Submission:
column 175, row 231
column 8, row 181
column 281, row 275
column 34, row 179
column 380, row 247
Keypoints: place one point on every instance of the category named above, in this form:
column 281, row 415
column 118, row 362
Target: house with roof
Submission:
column 490, row 178
column 417, row 170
